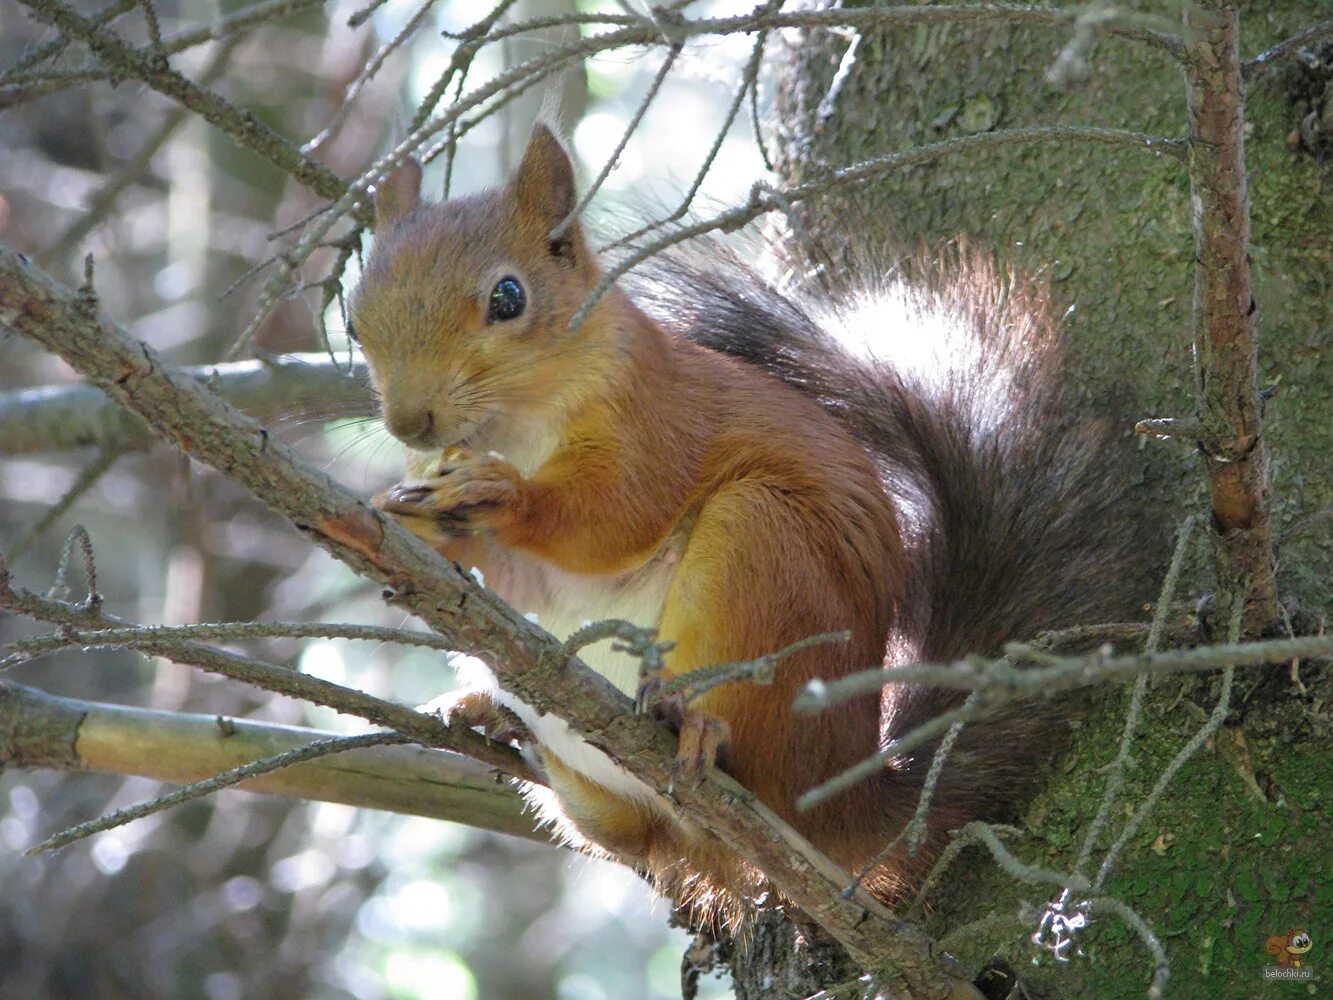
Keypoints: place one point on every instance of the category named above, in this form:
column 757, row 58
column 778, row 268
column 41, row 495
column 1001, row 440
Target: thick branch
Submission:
column 42, row 730
column 526, row 659
column 1225, row 349
column 60, row 417
column 428, row 730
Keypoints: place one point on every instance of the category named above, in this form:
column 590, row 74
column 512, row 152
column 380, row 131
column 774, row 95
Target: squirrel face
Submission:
column 464, row 307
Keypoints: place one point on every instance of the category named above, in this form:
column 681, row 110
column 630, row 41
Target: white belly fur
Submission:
column 563, row 603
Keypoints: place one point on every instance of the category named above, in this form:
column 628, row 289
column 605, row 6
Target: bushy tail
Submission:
column 1015, row 511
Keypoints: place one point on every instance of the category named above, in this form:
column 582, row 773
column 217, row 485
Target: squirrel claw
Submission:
column 465, row 493
column 649, row 700
column 703, row 738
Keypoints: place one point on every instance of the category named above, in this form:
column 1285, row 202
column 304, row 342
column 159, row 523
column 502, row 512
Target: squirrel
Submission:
column 703, row 456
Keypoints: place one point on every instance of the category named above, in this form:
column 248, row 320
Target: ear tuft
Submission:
column 543, row 185
column 398, row 192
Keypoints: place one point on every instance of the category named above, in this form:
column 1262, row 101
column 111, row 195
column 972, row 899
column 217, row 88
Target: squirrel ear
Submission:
column 544, row 182
column 398, row 192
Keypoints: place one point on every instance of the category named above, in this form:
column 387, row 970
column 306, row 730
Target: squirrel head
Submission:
column 463, row 310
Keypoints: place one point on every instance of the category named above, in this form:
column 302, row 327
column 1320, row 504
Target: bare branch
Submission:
column 265, row 12
column 1161, row 967
column 562, row 227
column 372, row 66
column 1285, row 49
column 154, row 636
column 1201, row 737
column 86, row 480
column 428, row 730
column 225, row 779
column 61, row 417
column 1116, row 775
column 57, row 45
column 671, row 26
column 1225, row 349
column 42, row 730
column 998, row 682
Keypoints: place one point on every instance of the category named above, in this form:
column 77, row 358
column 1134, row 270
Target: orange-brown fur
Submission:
column 617, row 453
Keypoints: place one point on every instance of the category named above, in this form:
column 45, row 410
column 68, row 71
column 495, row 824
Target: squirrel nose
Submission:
column 413, row 428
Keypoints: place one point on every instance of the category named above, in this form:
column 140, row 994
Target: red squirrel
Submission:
column 704, row 458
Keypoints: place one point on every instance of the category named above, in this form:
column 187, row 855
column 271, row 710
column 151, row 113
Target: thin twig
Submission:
column 78, row 539
column 242, row 127
column 57, row 45
column 471, row 40
column 265, row 12
column 425, row 729
column 677, row 27
column 914, row 832
column 747, row 85
column 372, row 67
column 152, row 635
column 1161, row 966
column 104, row 201
column 998, row 683
column 959, row 840
column 763, row 200
column 1062, row 674
column 760, row 670
column 48, row 83
column 1201, row 737
column 1285, row 49
column 562, row 227
column 1115, row 778
column 1028, row 874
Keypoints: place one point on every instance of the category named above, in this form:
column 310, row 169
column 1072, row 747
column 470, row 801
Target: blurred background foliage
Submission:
column 241, row 895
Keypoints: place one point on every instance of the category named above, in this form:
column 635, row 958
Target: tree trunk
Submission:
column 1237, row 850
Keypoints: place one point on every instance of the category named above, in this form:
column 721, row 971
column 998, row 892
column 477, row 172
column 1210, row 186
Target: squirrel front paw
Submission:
column 467, row 493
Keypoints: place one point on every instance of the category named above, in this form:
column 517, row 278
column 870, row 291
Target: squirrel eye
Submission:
column 507, row 299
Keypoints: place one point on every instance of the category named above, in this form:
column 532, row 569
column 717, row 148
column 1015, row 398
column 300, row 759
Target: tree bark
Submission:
column 43, row 730
column 1113, row 234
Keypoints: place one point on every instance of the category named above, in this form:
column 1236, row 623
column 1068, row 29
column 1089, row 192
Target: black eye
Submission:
column 507, row 299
